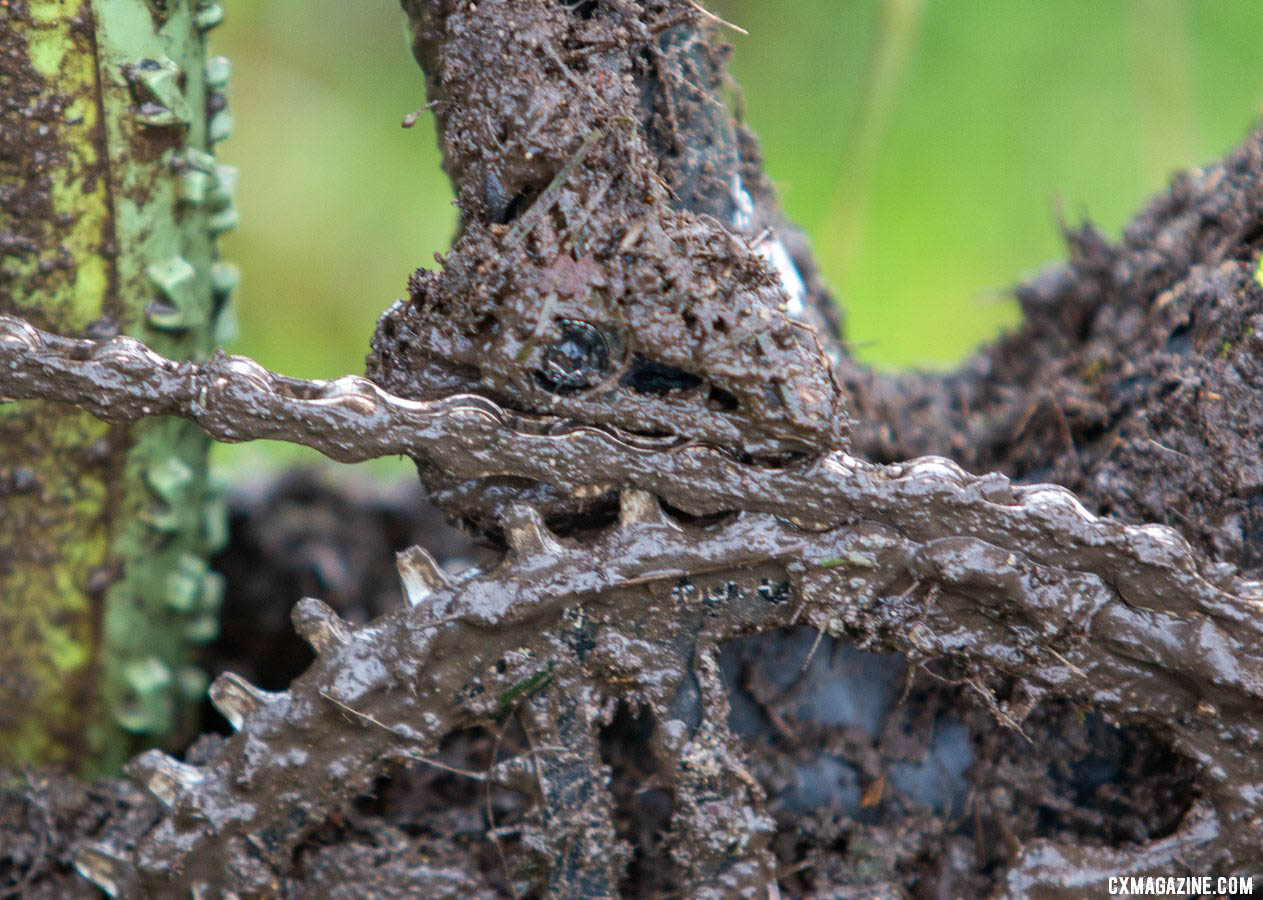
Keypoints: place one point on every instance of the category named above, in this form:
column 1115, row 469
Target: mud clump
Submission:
column 609, row 272
column 665, row 325
column 579, row 288
column 44, row 820
column 613, row 267
column 688, row 733
column 1134, row 379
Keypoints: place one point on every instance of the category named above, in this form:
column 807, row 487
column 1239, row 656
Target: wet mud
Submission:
column 613, row 266
column 1135, row 379
column 1133, row 360
column 695, row 649
column 863, row 788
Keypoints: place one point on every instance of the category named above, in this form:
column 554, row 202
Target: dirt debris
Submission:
column 727, row 764
column 612, row 267
column 1134, row 379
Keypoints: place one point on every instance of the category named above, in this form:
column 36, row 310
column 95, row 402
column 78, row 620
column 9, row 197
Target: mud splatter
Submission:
column 1065, row 694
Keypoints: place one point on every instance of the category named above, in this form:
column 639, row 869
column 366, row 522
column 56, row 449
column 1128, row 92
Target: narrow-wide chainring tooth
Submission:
column 527, row 535
column 420, row 575
column 236, row 698
column 107, row 869
column 318, row 624
column 164, row 776
column 639, row 506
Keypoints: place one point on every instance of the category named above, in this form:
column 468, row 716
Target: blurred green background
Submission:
column 925, row 145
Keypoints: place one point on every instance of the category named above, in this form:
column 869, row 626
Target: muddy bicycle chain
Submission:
column 919, row 557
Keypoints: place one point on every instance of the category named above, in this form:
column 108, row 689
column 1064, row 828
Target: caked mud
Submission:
column 878, row 772
column 707, row 653
column 619, row 260
column 1136, row 379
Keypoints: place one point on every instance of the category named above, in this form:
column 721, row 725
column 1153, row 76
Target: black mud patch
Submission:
column 877, row 774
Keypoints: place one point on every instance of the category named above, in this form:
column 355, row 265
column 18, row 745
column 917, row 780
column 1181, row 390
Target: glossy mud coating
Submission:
column 1109, row 674
column 991, row 579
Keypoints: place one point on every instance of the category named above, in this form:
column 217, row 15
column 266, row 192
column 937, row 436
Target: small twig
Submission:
column 429, row 761
column 1065, row 662
column 793, row 620
column 365, row 716
column 492, row 831
column 1168, row 449
column 811, row 654
column 797, row 867
column 993, row 706
column 668, row 24
column 707, row 14
column 759, row 238
column 576, row 230
column 526, row 224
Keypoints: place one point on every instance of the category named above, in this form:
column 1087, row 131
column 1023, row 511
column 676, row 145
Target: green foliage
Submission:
column 1002, row 113
column 928, row 180
column 113, row 202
